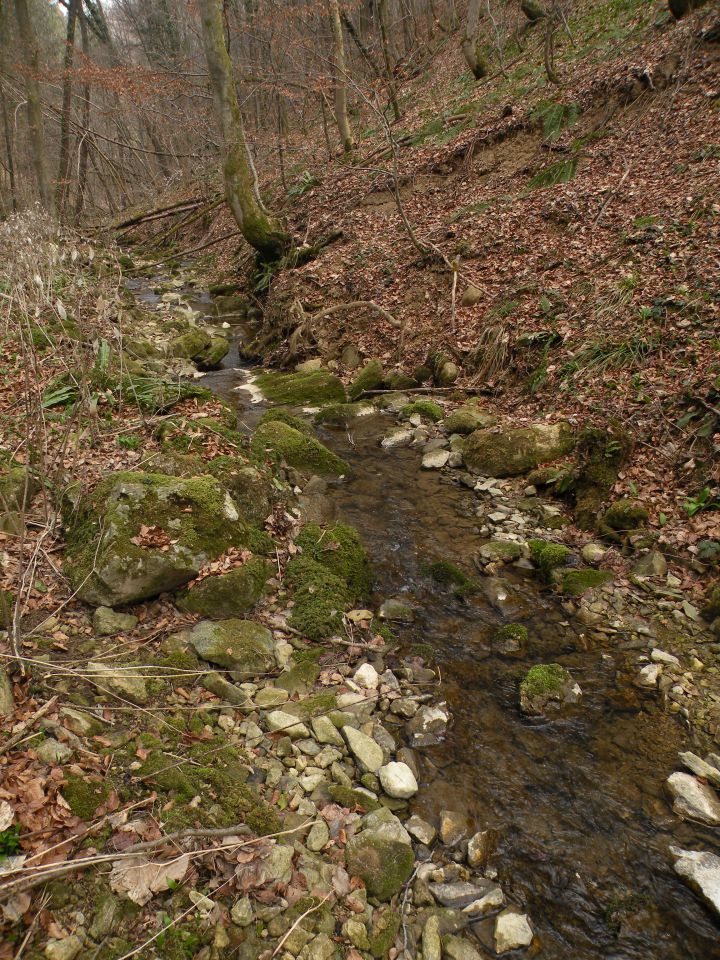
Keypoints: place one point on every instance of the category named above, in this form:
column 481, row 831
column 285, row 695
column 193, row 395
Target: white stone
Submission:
column 701, row 767
column 693, row 799
column 435, row 459
column 281, row 722
column 398, row 780
column 366, row 676
column 368, row 753
column 512, row 930
column 701, row 871
column 491, row 901
column 398, row 438
column 648, row 676
column 420, row 829
column 660, row 656
column 593, row 552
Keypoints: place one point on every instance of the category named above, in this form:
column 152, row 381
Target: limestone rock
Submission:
column 124, row 679
column 435, row 459
column 593, row 553
column 701, row 767
column 468, row 418
column 471, row 296
column 398, row 780
column 366, row 751
column 53, row 752
column 458, row 895
column 106, row 622
column 325, row 731
column 512, row 930
column 455, row 948
column 423, row 831
column 701, row 871
column 514, row 451
column 431, row 944
column 279, row 720
column 319, row 835
column 693, row 799
column 242, row 646
column 367, row 677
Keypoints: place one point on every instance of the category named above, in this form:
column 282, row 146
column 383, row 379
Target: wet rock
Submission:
column 459, row 895
column 503, row 551
column 701, row 871
column 431, row 943
column 242, row 646
column 701, row 768
column 493, row 900
column 435, row 459
column 454, row 827
column 241, row 913
column 547, row 686
column 298, row 389
column 513, row 451
column 480, row 847
column 106, row 622
column 428, row 726
column 398, row 780
column 661, row 656
column 280, row 441
column 399, row 437
column 512, row 930
column 397, row 610
column 506, row 598
column 455, row 948
column 692, row 799
column 421, row 830
column 366, row 751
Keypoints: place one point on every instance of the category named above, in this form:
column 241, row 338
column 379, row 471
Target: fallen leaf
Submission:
column 138, row 879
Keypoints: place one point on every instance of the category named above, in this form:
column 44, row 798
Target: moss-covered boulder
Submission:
column 342, row 414
column 283, row 415
column 547, row 687
column 423, row 408
column 548, row 556
column 192, row 345
column 371, row 377
column 140, row 534
column 229, row 594
column 214, row 354
column 319, row 596
column 514, row 451
column 500, row 551
column 383, row 863
column 450, row 575
column 298, row 389
column 251, row 489
column 467, row 419
column 238, row 645
column 624, row 516
column 278, row 441
column 18, row 486
column 399, row 380
column 574, row 583
column 339, row 548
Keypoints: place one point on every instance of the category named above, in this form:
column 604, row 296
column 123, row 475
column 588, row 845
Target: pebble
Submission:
column 398, row 780
column 421, row 830
column 279, row 720
column 318, row 837
column 366, row 751
column 512, row 930
column 660, row 656
column 435, row 460
column 454, row 827
column 325, row 731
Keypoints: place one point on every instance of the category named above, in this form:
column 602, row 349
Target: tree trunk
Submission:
column 83, row 148
column 34, row 104
column 470, row 43
column 382, row 19
column 341, row 112
column 64, row 166
column 261, row 231
column 7, row 129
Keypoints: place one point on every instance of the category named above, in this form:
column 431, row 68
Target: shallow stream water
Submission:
column 578, row 802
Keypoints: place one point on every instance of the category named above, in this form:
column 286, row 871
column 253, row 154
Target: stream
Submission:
column 578, row 802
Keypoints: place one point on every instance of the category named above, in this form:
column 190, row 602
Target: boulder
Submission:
column 282, row 442
column 370, row 378
column 229, row 594
column 701, row 871
column 547, row 686
column 141, row 534
column 238, row 645
column 297, row 389
column 693, row 799
column 467, row 419
column 384, row 864
column 106, row 622
column 513, row 451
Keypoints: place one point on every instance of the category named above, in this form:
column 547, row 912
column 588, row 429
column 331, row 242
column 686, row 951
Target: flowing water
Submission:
column 578, row 801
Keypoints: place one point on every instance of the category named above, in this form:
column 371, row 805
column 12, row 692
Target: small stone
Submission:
column 471, row 296
column 65, row 949
column 106, row 622
column 653, row 564
column 356, row 932
column 701, row 767
column 398, row 780
column 648, row 676
column 454, row 827
column 512, row 930
column 421, row 830
column 435, row 459
column 366, row 751
column 278, row 863
column 701, row 871
column 366, row 676
column 455, row 948
column 325, row 731
column 241, row 913
column 270, row 697
column 493, row 900
column 278, row 720
column 456, row 896
column 53, row 752
column 480, row 847
column 400, row 437
column 398, row 610
column 431, row 944
column 693, row 799
column 660, row 656
column 125, row 680
column 318, row 837
column 593, row 552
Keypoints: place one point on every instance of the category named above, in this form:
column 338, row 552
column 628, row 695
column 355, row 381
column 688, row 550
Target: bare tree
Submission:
column 470, row 44
column 341, row 111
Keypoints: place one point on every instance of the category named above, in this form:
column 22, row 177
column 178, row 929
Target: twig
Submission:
column 29, row 724
column 299, row 919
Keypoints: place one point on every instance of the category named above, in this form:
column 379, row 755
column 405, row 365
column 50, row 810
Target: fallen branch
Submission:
column 29, row 724
column 356, row 305
column 184, row 253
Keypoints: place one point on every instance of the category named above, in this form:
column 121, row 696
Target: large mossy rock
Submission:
column 141, row 534
column 200, row 347
column 282, row 442
column 382, row 862
column 511, row 452
column 238, row 645
column 320, row 598
column 298, row 389
column 18, row 486
column 339, row 548
column 467, row 419
column 371, row 377
column 229, row 594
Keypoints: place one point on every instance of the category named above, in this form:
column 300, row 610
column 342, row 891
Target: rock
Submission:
column 18, row 486
column 318, row 837
column 660, row 656
column 141, row 534
column 107, row 622
column 692, row 799
column 625, row 515
column 366, row 751
column 278, row 863
column 309, row 366
column 241, row 912
column 382, row 863
column 282, row 442
column 593, row 552
column 7, row 701
column 455, row 948
column 125, row 680
column 513, row 451
column 648, row 676
column 270, row 697
column 458, row 895
column 371, row 377
column 321, row 948
column 480, row 847
column 653, row 564
column 356, row 932
column 242, row 646
column 397, row 610
column 350, row 357
column 278, row 721
column 52, row 752
column 325, row 731
column 297, row 389
column 701, row 871
column 471, row 296
column 512, row 930
column 398, row 437
column 431, row 944
column 229, row 594
column 398, row 780
column 66, row 949
column 423, row 831
column 547, row 687
column 343, row 414
column 446, row 374
column 701, row 768
column 428, row 726
column 367, row 677
column 493, row 900
column 225, row 690
column 468, row 418
column 454, row 827
column 500, row 551
column 435, row 459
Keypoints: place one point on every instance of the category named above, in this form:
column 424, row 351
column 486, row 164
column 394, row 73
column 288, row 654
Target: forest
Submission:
column 359, row 479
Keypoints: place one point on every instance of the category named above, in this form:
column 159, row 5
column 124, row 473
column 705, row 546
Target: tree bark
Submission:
column 341, row 112
column 382, row 19
column 64, row 166
column 83, row 148
column 7, row 129
column 261, row 231
column 34, row 104
column 469, row 43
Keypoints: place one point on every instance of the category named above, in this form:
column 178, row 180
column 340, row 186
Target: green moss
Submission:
column 513, row 632
column 369, row 378
column 282, row 442
column 229, row 594
column 347, row 797
column 298, row 389
column 384, row 865
column 423, row 408
column 284, row 416
column 548, row 556
column 340, row 550
column 543, row 679
column 450, row 575
column 576, row 582
column 384, row 930
column 263, row 821
column 314, row 706
column 166, row 773
column 320, row 598
column 625, row 515
column 340, row 414
column 192, row 345
column 299, row 677
column 85, row 796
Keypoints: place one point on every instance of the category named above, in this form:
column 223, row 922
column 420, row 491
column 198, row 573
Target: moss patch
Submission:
column 320, row 598
column 423, row 408
column 284, row 416
column 340, row 550
column 576, row 582
column 282, row 442
column 544, row 679
column 383, row 864
column 449, row 575
column 369, row 378
column 548, row 556
column 298, row 389
column 85, row 796
column 227, row 594
column 340, row 414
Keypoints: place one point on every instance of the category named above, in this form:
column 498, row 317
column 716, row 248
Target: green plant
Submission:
column 306, row 181
column 561, row 172
column 705, row 500
column 129, row 441
column 9, row 841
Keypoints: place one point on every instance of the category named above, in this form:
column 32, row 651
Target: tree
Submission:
column 62, row 184
column 470, row 45
column 262, row 231
column 385, row 41
column 341, row 111
column 34, row 104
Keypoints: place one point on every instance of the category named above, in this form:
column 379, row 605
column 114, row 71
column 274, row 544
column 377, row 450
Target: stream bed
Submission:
column 578, row 802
